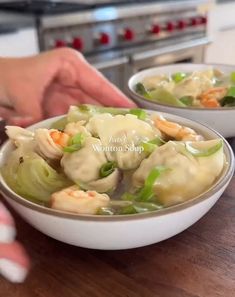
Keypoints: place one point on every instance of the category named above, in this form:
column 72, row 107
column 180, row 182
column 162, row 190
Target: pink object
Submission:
column 14, row 262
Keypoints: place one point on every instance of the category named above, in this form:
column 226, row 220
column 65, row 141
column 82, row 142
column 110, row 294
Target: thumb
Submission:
column 22, row 121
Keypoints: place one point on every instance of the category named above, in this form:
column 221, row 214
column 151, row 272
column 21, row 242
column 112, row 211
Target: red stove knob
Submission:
column 194, row 22
column 203, row 20
column 129, row 34
column 77, row 43
column 60, row 43
column 181, row 25
column 170, row 26
column 155, row 29
column 104, row 39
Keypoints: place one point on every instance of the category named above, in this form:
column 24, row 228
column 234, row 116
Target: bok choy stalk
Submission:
column 31, row 177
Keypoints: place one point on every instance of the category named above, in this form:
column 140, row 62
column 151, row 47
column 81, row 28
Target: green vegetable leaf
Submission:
column 178, row 76
column 232, row 76
column 140, row 89
column 107, row 168
column 187, row 100
column 228, row 101
column 140, row 113
column 204, row 152
column 231, row 92
column 163, row 96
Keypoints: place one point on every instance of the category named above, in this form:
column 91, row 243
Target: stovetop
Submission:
column 44, row 7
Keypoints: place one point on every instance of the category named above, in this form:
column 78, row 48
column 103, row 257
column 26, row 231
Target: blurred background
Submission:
column 121, row 37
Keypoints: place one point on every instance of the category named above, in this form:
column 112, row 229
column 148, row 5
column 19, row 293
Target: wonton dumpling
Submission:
column 75, row 128
column 83, row 166
column 121, row 136
column 104, row 185
column 194, row 85
column 74, row 200
column 187, row 177
column 46, row 146
column 19, row 135
column 162, row 81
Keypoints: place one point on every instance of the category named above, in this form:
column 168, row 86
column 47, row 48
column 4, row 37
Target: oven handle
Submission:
column 171, row 49
column 110, row 63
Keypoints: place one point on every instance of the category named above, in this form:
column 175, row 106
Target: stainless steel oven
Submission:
column 184, row 52
column 120, row 37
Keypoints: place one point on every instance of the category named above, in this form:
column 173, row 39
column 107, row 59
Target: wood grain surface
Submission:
column 197, row 262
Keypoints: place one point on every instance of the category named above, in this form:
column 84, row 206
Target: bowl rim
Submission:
column 220, row 183
column 133, row 93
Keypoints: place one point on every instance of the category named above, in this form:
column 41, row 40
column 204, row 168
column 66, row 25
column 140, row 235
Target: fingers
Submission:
column 77, row 72
column 7, row 226
column 14, row 262
column 6, row 113
column 59, row 99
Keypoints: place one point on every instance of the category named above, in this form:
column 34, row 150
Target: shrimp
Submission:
column 211, row 97
column 50, row 143
column 74, row 200
column 59, row 137
column 176, row 130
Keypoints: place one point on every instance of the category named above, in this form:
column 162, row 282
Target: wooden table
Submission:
column 197, row 262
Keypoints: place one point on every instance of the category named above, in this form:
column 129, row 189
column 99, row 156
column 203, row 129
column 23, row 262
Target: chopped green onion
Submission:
column 72, row 148
column 231, row 92
column 146, row 193
column 153, row 175
column 140, row 113
column 107, row 168
column 178, row 76
column 77, row 139
column 204, row 152
column 75, row 143
column 139, row 207
column 158, row 141
column 232, row 76
column 148, row 147
column 140, row 89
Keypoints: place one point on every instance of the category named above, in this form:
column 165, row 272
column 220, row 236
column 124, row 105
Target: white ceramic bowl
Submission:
column 126, row 231
column 220, row 119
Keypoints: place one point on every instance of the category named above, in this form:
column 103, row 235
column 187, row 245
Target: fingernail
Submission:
column 12, row 271
column 7, row 233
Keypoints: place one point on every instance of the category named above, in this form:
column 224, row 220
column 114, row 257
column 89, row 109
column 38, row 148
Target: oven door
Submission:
column 114, row 70
column 190, row 51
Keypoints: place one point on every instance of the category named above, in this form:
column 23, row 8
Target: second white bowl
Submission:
column 221, row 119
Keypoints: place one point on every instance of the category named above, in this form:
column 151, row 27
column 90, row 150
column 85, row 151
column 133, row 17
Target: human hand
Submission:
column 14, row 262
column 47, row 84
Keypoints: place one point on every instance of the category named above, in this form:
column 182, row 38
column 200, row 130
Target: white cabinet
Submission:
column 19, row 43
column 222, row 32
